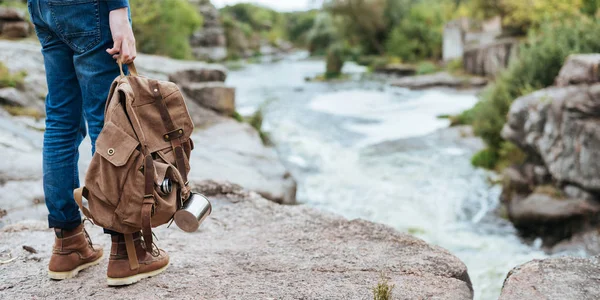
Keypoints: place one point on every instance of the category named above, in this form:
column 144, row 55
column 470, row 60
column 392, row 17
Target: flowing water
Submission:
column 364, row 149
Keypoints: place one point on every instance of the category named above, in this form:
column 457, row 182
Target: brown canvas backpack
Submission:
column 145, row 140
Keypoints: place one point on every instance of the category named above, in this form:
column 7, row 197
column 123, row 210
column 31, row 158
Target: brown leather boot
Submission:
column 126, row 270
column 72, row 252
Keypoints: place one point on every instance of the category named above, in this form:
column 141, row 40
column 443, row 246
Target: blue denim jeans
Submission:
column 74, row 35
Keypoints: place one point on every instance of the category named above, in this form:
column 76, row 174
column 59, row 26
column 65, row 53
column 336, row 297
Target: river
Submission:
column 364, row 149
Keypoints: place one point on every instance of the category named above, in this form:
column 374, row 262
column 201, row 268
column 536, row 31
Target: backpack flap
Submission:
column 115, row 145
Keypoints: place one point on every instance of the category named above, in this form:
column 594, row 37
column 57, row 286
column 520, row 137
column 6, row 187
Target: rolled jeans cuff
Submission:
column 69, row 225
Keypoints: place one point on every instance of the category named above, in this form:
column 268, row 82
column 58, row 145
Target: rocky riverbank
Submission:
column 555, row 193
column 251, row 248
column 225, row 148
column 555, row 278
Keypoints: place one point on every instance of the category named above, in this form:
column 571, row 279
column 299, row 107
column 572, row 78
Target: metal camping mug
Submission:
column 195, row 210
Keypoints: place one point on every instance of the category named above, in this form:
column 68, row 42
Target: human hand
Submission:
column 122, row 34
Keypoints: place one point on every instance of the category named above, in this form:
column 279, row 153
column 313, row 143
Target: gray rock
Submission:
column 210, row 42
column 554, row 279
column 17, row 29
column 559, row 124
column 161, row 67
column 489, row 59
column 579, row 68
column 210, row 53
column 11, row 96
column 213, row 95
column 11, row 14
column 198, row 75
column 586, row 243
column 573, row 191
column 441, row 79
column 234, row 152
column 551, row 217
column 250, row 248
column 397, row 70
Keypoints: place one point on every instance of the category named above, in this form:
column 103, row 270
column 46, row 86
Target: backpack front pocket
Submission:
column 117, row 154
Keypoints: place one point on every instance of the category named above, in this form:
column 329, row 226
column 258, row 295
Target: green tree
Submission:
column 536, row 67
column 164, row 27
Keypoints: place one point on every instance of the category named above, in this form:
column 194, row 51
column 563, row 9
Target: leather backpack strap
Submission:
column 173, row 134
column 131, row 254
column 149, row 201
column 78, row 194
column 130, row 67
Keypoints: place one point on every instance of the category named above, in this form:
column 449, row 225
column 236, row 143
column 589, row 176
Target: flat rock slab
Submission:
column 441, row 79
column 251, row 248
column 554, row 278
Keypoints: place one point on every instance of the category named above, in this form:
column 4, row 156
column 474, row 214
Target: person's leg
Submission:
column 65, row 129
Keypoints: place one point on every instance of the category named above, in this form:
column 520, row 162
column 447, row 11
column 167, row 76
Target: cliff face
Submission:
column 556, row 194
column 209, row 43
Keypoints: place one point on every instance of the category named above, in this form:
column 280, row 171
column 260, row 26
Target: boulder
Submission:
column 552, row 217
column 233, row 151
column 210, row 42
column 397, row 70
column 579, row 68
column 163, row 68
column 11, row 14
column 11, row 96
column 18, row 29
column 489, row 59
column 250, row 248
column 554, row 278
column 198, row 75
column 441, row 79
column 560, row 125
column 213, row 95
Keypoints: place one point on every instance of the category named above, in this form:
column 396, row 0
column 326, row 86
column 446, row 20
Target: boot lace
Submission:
column 155, row 252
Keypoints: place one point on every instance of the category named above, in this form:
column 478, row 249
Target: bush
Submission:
column 419, row 35
column 485, row 158
column 335, row 61
column 383, row 290
column 8, row 79
column 164, row 27
column 322, row 35
column 538, row 63
column 426, row 67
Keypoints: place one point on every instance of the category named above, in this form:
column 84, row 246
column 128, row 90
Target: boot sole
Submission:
column 133, row 279
column 74, row 272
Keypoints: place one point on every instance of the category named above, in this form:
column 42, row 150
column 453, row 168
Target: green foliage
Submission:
column 485, row 158
column 164, row 27
column 361, row 22
column 256, row 121
column 8, row 79
column 519, row 16
column 509, row 154
column 419, row 35
column 298, row 25
column 383, row 290
column 322, row 34
column 335, row 61
column 426, row 67
column 455, row 66
column 539, row 62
